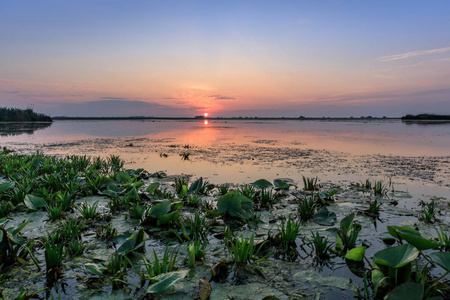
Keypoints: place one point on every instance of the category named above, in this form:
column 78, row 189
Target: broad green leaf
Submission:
column 356, row 254
column 133, row 194
column 418, row 241
column 191, row 260
column 325, row 217
column 34, row 202
column 95, row 269
column 127, row 246
column 122, row 177
column 442, row 259
column 393, row 230
column 281, row 184
column 339, row 243
column 152, row 187
column 347, row 222
column 160, row 209
column 176, row 205
column 262, row 184
column 396, row 257
column 408, row 290
column 164, row 281
column 233, row 203
column 173, row 216
column 6, row 186
column 195, row 187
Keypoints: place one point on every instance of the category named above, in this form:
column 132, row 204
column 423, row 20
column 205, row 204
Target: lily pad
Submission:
column 173, row 216
column 233, row 203
column 325, row 217
column 281, row 184
column 34, row 202
column 160, row 209
column 262, row 184
column 396, row 257
column 418, row 241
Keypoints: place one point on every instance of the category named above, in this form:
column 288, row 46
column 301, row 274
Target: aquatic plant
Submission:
column 347, row 233
column 136, row 211
column 310, row 184
column 428, row 212
column 374, row 207
column 53, row 256
column 200, row 187
column 223, row 189
column 195, row 228
column 162, row 213
column 243, row 250
column 75, row 248
column 106, row 232
column 248, row 191
column 379, row 188
column 288, row 233
column 179, row 183
column 167, row 264
column 54, row 212
column 185, row 155
column 116, row 267
column 321, row 245
column 266, row 198
column 196, row 251
column 115, row 163
column 5, row 208
column 70, row 229
column 444, row 238
column 88, row 211
column 307, row 207
column 234, row 205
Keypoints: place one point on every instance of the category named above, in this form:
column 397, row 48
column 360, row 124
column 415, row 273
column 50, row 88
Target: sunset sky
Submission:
column 226, row 58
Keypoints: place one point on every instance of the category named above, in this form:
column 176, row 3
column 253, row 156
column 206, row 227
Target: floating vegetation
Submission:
column 110, row 231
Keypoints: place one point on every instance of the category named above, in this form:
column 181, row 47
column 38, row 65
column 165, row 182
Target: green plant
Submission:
column 310, row 184
column 185, row 155
column 195, row 228
column 248, row 191
column 193, row 200
column 167, row 264
column 179, row 183
column 379, row 188
column 88, row 211
column 266, row 198
column 321, row 245
column 115, row 163
column 75, row 248
column 443, row 238
column 288, row 233
column 428, row 212
column 53, row 256
column 307, row 207
column 235, row 205
column 196, row 251
column 374, row 207
column 116, row 268
column 106, row 232
column 137, row 212
column 55, row 212
column 163, row 213
column 223, row 189
column 243, row 250
column 5, row 208
column 347, row 233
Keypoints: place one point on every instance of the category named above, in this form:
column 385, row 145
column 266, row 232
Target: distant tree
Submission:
column 8, row 114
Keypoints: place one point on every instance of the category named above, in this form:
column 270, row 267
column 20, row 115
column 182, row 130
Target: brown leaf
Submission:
column 205, row 288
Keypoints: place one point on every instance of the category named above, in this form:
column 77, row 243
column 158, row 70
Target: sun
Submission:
column 205, row 114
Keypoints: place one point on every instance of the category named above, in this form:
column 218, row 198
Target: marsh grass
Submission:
column 428, row 212
column 321, row 245
column 307, row 207
column 116, row 267
column 288, row 233
column 310, row 184
column 75, row 248
column 223, row 189
column 136, row 211
column 195, row 227
column 379, row 188
column 54, row 211
column 266, row 198
column 53, row 256
column 158, row 267
column 106, row 232
column 374, row 207
column 179, row 183
column 196, row 251
column 243, row 250
column 248, row 191
column 5, row 208
column 88, row 211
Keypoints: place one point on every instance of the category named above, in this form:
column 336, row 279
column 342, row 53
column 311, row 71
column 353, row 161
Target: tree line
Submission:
column 8, row 114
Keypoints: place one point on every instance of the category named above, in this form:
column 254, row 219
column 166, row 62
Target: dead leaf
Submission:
column 205, row 288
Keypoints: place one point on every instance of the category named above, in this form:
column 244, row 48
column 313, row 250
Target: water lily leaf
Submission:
column 34, row 202
column 173, row 216
column 418, row 241
column 196, row 186
column 133, row 194
column 262, row 184
column 160, row 209
column 6, row 186
column 281, row 184
column 205, row 288
column 122, row 177
column 408, row 290
column 95, row 269
column 152, row 187
column 164, row 281
column 325, row 217
column 442, row 259
column 356, row 254
column 396, row 257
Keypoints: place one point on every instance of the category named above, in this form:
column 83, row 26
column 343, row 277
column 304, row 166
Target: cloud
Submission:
column 220, row 97
column 11, row 91
column 412, row 54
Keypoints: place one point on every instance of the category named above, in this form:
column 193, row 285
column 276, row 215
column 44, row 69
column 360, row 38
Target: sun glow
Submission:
column 206, row 115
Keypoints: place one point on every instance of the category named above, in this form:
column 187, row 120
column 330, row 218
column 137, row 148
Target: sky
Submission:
column 227, row 58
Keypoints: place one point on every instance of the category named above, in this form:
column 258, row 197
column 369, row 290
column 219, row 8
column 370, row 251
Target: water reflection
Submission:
column 13, row 129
